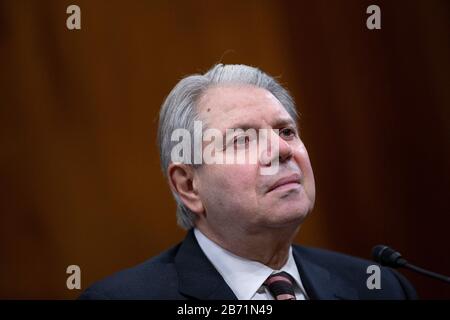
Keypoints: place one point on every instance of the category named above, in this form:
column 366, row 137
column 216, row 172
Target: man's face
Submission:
column 237, row 197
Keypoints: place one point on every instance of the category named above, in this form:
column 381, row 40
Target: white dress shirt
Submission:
column 246, row 277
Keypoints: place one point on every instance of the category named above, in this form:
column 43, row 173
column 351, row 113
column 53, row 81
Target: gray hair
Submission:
column 179, row 110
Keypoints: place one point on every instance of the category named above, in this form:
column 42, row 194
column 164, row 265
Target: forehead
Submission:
column 226, row 106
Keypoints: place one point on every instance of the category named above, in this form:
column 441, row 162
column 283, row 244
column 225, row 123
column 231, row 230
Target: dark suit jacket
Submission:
column 184, row 272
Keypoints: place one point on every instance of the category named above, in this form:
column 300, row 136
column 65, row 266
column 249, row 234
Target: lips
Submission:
column 292, row 179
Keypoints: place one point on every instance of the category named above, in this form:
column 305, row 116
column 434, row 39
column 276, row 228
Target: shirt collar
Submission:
column 243, row 276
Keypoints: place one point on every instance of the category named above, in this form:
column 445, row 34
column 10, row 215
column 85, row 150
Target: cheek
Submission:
column 238, row 179
column 302, row 158
column 231, row 182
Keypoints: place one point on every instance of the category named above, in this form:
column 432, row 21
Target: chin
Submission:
column 282, row 217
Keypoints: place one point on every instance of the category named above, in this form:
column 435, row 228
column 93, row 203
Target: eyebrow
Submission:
column 277, row 124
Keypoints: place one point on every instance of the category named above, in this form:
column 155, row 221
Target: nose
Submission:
column 277, row 149
column 285, row 150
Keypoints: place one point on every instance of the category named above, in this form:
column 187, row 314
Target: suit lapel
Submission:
column 319, row 283
column 197, row 277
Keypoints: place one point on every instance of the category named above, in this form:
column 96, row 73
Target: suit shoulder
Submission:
column 154, row 278
column 354, row 270
column 332, row 258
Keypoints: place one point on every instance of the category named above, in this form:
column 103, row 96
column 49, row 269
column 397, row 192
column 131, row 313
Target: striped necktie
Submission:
column 281, row 286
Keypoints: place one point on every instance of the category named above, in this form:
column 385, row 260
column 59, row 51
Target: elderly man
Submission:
column 241, row 221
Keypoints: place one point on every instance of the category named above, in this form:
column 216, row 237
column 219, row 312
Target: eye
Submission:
column 241, row 141
column 287, row 132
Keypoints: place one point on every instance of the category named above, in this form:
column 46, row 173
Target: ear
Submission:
column 182, row 180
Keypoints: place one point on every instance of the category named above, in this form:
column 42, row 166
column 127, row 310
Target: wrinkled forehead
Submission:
column 234, row 106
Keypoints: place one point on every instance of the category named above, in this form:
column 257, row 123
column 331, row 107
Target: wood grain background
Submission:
column 80, row 178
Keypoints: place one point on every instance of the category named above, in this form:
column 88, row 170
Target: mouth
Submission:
column 286, row 183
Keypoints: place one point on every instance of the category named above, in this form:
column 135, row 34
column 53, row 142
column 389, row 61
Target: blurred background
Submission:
column 80, row 181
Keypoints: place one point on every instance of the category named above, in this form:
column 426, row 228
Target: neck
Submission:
column 269, row 247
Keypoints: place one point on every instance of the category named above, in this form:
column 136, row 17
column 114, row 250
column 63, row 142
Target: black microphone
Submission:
column 387, row 256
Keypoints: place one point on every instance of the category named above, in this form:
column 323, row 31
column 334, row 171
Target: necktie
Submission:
column 281, row 286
